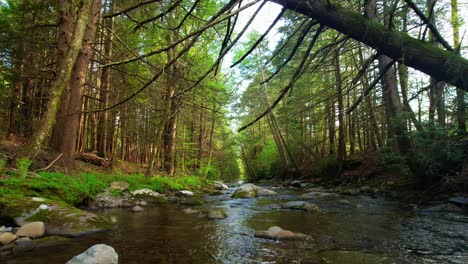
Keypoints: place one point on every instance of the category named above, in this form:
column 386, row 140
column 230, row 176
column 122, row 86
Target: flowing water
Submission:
column 350, row 229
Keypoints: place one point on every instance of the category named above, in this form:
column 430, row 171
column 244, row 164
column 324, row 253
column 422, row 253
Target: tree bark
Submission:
column 31, row 149
column 441, row 64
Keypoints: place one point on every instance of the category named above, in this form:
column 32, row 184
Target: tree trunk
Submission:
column 31, row 149
column 72, row 119
column 341, row 125
column 441, row 64
column 461, row 107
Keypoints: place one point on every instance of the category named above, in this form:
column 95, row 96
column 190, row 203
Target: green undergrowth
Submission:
column 74, row 189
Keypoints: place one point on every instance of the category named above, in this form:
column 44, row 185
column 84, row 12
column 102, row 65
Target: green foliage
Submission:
column 74, row 189
column 325, row 167
column 23, row 166
column 433, row 155
column 2, row 165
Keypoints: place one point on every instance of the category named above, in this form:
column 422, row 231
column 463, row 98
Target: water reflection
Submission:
column 351, row 229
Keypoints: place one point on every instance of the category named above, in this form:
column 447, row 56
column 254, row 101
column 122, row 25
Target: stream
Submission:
column 350, row 229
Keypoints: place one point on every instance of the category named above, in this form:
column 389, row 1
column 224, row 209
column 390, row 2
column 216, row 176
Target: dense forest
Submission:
column 233, row 131
column 149, row 82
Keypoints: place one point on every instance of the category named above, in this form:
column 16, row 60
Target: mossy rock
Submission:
column 59, row 218
column 246, row 191
column 192, row 201
column 216, row 193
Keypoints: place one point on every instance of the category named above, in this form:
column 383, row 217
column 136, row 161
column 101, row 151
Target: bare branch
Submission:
column 130, row 8
column 285, row 90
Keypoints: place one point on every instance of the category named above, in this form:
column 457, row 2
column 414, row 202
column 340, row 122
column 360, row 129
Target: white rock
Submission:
column 145, row 191
column 219, row 185
column 186, row 193
column 97, row 254
column 37, row 199
column 43, row 207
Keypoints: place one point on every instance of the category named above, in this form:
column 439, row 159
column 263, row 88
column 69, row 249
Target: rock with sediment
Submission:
column 301, row 205
column 33, row 229
column 7, row 238
column 97, row 254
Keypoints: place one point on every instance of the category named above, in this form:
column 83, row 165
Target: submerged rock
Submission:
column 33, row 229
column 217, row 214
column 191, row 211
column 97, row 254
column 265, row 192
column 300, row 205
column 7, row 238
column 311, row 195
column 351, row 191
column 137, row 209
column 276, row 232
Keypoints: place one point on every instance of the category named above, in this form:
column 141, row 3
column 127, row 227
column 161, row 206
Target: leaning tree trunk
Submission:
column 31, row 149
column 441, row 64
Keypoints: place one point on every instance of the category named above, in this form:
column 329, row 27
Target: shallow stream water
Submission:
column 350, row 229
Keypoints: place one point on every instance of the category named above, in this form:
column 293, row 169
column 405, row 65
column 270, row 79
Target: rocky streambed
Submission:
column 254, row 224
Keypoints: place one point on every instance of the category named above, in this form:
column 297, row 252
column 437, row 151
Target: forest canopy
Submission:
column 146, row 82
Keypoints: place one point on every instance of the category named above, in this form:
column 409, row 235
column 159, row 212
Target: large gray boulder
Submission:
column 247, row 190
column 97, row 254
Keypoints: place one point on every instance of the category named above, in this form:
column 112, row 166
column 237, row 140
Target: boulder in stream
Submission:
column 58, row 218
column 277, row 233
column 247, row 190
column 265, row 192
column 7, row 238
column 301, row 205
column 33, row 229
column 185, row 193
column 97, row 254
column 137, row 208
column 217, row 213
column 219, row 185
